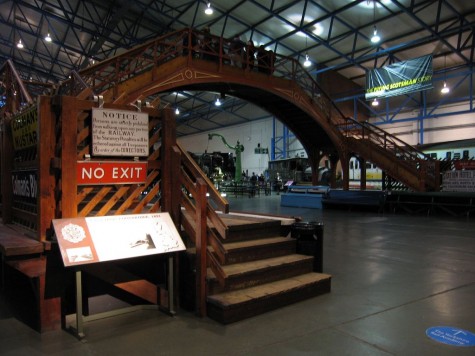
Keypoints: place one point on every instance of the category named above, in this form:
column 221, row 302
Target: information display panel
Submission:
column 98, row 239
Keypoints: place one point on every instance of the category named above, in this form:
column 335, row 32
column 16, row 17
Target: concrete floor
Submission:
column 394, row 276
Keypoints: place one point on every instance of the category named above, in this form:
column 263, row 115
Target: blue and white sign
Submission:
column 451, row 336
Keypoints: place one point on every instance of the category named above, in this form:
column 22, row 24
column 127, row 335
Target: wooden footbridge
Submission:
column 53, row 133
column 281, row 86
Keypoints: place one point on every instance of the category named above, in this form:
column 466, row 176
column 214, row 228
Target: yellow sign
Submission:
column 25, row 129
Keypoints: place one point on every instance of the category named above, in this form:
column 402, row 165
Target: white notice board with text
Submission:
column 98, row 239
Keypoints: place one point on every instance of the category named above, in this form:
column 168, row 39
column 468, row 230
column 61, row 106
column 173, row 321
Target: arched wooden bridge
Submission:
column 191, row 60
column 170, row 62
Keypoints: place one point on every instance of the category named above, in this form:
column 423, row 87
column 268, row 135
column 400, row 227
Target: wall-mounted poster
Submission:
column 25, row 129
column 119, row 133
column 106, row 238
column 400, row 78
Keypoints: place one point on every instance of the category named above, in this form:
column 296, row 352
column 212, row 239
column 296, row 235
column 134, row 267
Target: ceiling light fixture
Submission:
column 19, row 44
column 48, row 38
column 375, row 38
column 217, row 102
column 445, row 89
column 307, row 62
column 208, row 10
column 375, row 102
column 177, row 111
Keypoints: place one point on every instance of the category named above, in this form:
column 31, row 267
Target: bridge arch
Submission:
column 281, row 86
column 304, row 116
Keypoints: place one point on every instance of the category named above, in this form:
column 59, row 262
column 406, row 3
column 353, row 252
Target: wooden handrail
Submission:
column 221, row 203
column 202, row 223
column 107, row 75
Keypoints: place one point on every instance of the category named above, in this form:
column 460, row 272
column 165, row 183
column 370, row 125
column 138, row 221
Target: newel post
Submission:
column 201, row 246
column 168, row 170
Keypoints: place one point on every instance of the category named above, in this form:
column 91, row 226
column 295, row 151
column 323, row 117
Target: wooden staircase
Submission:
column 263, row 271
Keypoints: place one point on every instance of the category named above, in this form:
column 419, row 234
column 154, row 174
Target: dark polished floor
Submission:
column 394, row 276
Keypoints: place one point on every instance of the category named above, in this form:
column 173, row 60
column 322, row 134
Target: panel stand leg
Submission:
column 79, row 330
column 171, row 286
column 170, row 309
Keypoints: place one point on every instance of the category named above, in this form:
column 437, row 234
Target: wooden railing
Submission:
column 198, row 202
column 104, row 78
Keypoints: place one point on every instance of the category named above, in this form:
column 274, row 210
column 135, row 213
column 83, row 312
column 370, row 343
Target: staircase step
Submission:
column 229, row 307
column 242, row 228
column 248, row 274
column 251, row 250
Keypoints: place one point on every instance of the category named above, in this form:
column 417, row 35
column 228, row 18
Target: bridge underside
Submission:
column 280, row 85
column 306, row 129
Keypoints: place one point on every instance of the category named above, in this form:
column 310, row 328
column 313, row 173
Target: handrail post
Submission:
column 201, row 246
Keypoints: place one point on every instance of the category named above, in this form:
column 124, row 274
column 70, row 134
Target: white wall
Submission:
column 446, row 128
column 441, row 129
column 249, row 135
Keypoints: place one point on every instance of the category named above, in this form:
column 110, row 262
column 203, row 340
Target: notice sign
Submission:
column 25, row 185
column 109, row 172
column 107, row 238
column 119, row 133
column 459, row 181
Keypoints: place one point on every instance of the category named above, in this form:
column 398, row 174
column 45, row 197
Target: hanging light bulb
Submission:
column 19, row 44
column 48, row 38
column 375, row 102
column 375, row 38
column 208, row 10
column 307, row 62
column 177, row 111
column 217, row 102
column 445, row 89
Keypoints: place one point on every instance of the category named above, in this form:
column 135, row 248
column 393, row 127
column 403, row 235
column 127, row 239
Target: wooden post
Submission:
column 345, row 166
column 362, row 162
column 7, row 164
column 46, row 179
column 437, row 175
column 168, row 141
column 333, row 158
column 175, row 189
column 69, row 125
column 49, row 308
column 314, row 159
column 201, row 247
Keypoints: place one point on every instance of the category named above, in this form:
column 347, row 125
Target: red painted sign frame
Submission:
column 111, row 172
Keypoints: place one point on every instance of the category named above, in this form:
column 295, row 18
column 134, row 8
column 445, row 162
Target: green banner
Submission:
column 400, row 78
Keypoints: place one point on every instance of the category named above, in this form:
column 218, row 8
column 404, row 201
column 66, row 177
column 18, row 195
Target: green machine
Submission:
column 237, row 150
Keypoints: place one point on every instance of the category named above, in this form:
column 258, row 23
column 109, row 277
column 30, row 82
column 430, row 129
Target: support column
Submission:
column 345, row 166
column 334, row 158
column 362, row 173
column 314, row 161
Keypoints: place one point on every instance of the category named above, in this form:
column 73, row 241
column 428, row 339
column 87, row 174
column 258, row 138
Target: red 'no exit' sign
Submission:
column 111, row 172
